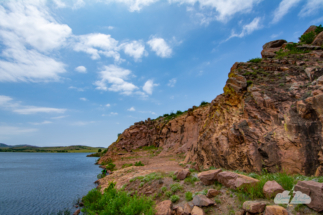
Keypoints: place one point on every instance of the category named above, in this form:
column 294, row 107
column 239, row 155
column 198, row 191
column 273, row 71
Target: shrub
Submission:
column 203, row 103
column 191, row 179
column 110, row 166
column 168, row 193
column 166, row 115
column 188, row 196
column 126, row 165
column 113, row 202
column 179, row 112
column 307, row 38
column 164, row 189
column 318, row 29
column 100, row 176
column 139, row 164
column 174, row 198
column 175, row 187
column 100, row 150
column 249, row 83
column 255, row 60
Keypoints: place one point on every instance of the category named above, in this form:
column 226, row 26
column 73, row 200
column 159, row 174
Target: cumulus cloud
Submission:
column 82, row 123
column 76, row 88
column 59, row 3
column 172, row 82
column 159, row 46
column 83, row 99
column 134, row 49
column 247, row 29
column 113, row 78
column 113, row 113
column 41, row 123
column 311, row 7
column 135, row 5
column 78, row 4
column 131, row 109
column 80, row 69
column 107, row 105
column 29, row 24
column 148, row 86
column 8, row 103
column 283, row 9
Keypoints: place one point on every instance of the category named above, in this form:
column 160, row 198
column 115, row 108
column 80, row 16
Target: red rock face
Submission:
column 274, row 122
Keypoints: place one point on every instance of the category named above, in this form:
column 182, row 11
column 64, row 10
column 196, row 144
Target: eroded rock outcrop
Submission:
column 269, row 117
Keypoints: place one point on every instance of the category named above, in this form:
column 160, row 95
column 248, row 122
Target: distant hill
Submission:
column 29, row 148
column 3, row 145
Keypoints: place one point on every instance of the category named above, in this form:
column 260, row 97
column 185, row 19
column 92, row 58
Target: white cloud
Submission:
column 134, row 49
column 221, row 10
column 113, row 113
column 110, row 27
column 82, row 123
column 283, row 8
column 28, row 32
column 107, row 105
column 131, row 109
column 172, row 82
column 59, row 3
column 312, row 7
column 58, row 117
column 97, row 44
column 76, row 88
column 7, row 103
column 41, row 123
column 83, row 99
column 80, row 69
column 115, row 76
column 78, row 4
column 159, row 46
column 247, row 29
column 10, row 130
column 148, row 86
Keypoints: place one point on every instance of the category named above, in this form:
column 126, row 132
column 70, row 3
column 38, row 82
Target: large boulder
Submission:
column 274, row 44
column 197, row 211
column 314, row 190
column 164, row 208
column 235, row 180
column 179, row 211
column 311, row 28
column 187, row 209
column 182, row 174
column 209, row 177
column 269, row 53
column 254, row 206
column 202, row 201
column 237, row 82
column 318, row 41
column 275, row 210
column 271, row 188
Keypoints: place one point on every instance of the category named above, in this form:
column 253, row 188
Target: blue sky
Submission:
column 80, row 72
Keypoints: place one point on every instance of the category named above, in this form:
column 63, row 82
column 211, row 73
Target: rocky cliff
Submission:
column 268, row 118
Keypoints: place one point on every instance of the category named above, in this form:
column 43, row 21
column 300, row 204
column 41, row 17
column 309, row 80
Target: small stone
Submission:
column 209, row 177
column 202, row 200
column 197, row 211
column 240, row 212
column 77, row 212
column 164, row 208
column 275, row 210
column 182, row 174
column 187, row 209
column 254, row 206
column 179, row 211
column 212, row 193
column 271, row 188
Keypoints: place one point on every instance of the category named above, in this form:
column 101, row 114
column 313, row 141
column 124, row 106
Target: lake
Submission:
column 44, row 183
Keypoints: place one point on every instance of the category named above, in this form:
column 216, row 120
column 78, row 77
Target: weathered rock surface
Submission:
column 234, row 180
column 240, row 212
column 212, row 193
column 274, row 122
column 164, row 208
column 77, row 212
column 209, row 177
column 274, row 44
column 275, row 210
column 271, row 188
column 254, row 206
column 202, row 201
column 179, row 211
column 311, row 28
column 197, row 211
column 318, row 41
column 187, row 209
column 314, row 190
column 182, row 174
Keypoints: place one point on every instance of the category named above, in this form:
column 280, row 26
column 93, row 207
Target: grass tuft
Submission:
column 188, row 196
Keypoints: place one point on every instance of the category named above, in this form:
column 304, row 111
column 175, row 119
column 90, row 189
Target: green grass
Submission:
column 291, row 49
column 139, row 164
column 307, row 38
column 113, row 202
column 188, row 196
column 110, row 166
column 176, row 187
column 168, row 193
column 255, row 60
column 191, row 180
column 174, row 198
column 148, row 178
column 126, row 165
column 63, row 149
column 203, row 103
column 164, row 189
column 249, row 83
column 318, row 29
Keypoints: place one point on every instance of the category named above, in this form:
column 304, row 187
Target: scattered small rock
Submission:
column 240, row 212
column 254, row 206
column 187, row 209
column 209, row 177
column 179, row 211
column 271, row 188
column 275, row 210
column 182, row 174
column 77, row 212
column 212, row 193
column 202, row 200
column 164, row 208
column 197, row 211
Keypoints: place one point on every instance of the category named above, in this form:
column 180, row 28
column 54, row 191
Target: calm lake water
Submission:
column 43, row 183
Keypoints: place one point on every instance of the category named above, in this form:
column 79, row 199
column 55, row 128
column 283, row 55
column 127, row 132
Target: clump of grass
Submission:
column 164, row 189
column 188, row 196
column 174, row 198
column 203, row 103
column 217, row 185
column 255, row 60
column 149, row 148
column 218, row 201
column 113, row 202
column 168, row 193
column 249, row 83
column 139, row 164
column 175, row 187
column 126, row 165
column 191, row 180
column 110, row 166
column 148, row 178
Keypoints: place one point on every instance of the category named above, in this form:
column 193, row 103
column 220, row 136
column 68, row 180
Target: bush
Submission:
column 203, row 103
column 139, row 164
column 255, row 60
column 174, row 198
column 318, row 29
column 100, row 150
column 175, row 187
column 100, row 176
column 113, row 202
column 179, row 112
column 191, row 179
column 126, row 165
column 164, row 189
column 188, row 196
column 110, row 166
column 249, row 83
column 168, row 193
column 307, row 38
